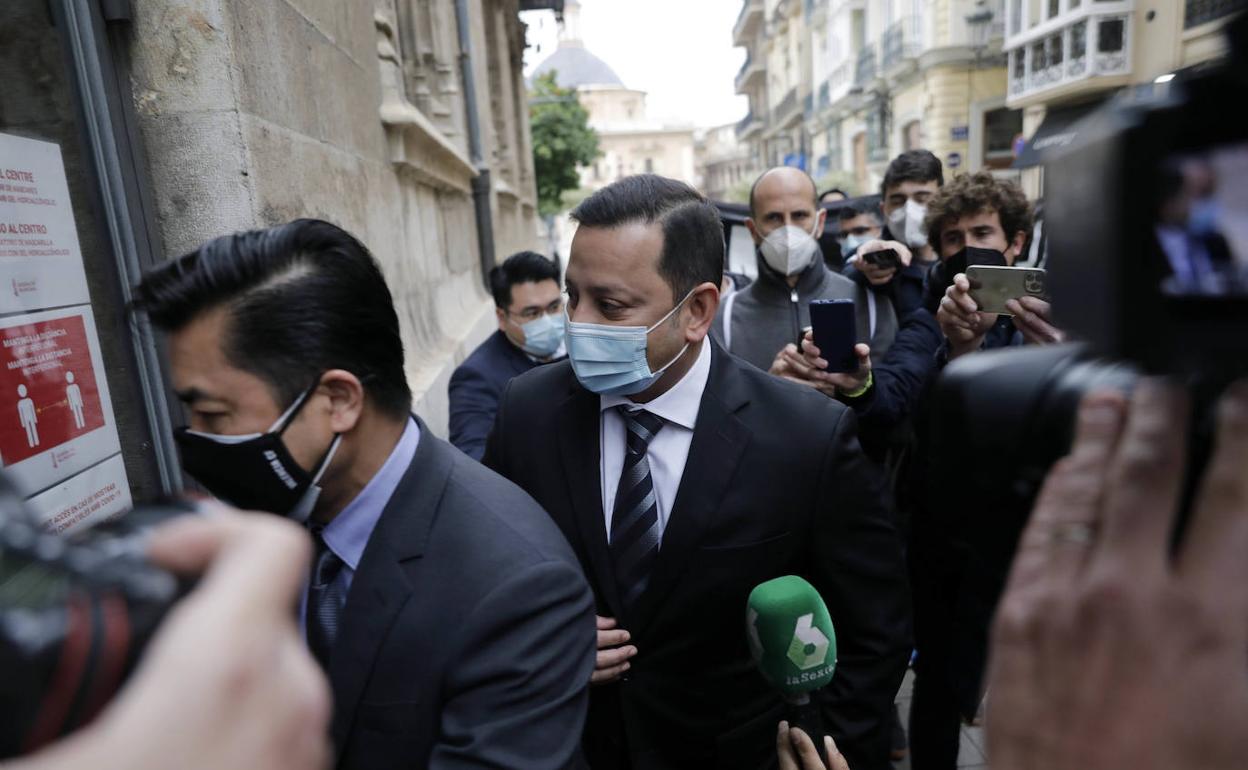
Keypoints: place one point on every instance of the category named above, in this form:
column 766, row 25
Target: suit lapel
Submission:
column 579, row 445
column 381, row 587
column 719, row 438
column 520, row 362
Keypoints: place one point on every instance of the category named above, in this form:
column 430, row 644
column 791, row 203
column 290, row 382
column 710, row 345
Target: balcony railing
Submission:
column 745, row 122
column 745, row 20
column 748, row 125
column 840, row 81
column 786, row 108
column 1093, row 46
column 901, row 41
column 749, row 70
column 864, row 69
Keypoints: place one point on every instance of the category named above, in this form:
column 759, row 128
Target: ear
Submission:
column 753, row 228
column 821, row 220
column 502, row 318
column 702, row 306
column 1016, row 247
column 346, row 399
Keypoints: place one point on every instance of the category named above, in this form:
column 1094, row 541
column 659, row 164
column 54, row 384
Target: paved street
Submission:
column 972, row 754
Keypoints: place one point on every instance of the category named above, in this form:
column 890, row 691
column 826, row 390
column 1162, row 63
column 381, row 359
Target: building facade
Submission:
column 725, row 165
column 629, row 141
column 170, row 122
column 1068, row 56
column 863, row 80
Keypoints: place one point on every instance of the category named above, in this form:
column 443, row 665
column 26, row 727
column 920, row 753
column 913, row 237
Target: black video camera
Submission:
column 1148, row 266
column 1147, row 217
column 76, row 612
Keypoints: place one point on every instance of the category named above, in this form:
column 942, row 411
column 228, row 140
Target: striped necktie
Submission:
column 635, row 531
column 326, row 597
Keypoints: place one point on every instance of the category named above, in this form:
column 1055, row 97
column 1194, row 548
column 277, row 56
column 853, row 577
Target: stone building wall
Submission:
column 255, row 112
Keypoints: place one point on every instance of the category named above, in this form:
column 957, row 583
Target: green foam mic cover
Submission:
column 790, row 635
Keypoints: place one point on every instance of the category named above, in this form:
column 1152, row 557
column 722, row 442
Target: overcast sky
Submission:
column 679, row 51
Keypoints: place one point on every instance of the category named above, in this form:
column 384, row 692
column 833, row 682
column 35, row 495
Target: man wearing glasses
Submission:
column 529, row 307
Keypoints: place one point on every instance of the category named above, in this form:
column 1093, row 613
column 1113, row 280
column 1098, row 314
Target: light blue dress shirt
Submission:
column 347, row 535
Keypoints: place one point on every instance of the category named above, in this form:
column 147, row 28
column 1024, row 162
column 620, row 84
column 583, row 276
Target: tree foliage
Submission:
column 562, row 141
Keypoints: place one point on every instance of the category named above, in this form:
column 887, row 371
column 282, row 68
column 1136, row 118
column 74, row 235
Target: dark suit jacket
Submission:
column 775, row 484
column 476, row 388
column 901, row 378
column 467, row 639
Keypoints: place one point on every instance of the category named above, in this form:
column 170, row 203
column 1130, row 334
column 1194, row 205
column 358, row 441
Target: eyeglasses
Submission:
column 534, row 313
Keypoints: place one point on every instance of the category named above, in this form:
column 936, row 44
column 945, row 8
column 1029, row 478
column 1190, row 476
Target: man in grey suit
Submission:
column 449, row 612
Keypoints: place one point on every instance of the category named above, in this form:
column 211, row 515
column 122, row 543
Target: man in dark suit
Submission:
column 683, row 477
column 529, row 308
column 449, row 613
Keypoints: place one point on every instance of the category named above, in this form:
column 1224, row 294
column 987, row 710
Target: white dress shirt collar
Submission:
column 680, row 404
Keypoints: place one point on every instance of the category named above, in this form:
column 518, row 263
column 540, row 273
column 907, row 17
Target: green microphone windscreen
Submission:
column 791, row 635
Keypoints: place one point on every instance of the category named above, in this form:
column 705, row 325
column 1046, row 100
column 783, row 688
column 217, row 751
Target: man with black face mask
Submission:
column 981, row 220
column 976, row 219
column 449, row 613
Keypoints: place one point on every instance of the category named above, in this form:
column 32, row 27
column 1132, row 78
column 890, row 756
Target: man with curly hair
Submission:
column 978, row 219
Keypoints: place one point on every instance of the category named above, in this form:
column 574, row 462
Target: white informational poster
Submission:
column 58, row 435
column 97, row 494
column 56, row 418
column 40, row 260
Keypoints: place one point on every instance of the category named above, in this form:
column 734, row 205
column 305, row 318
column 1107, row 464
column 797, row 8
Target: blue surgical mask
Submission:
column 850, row 243
column 542, row 336
column 611, row 360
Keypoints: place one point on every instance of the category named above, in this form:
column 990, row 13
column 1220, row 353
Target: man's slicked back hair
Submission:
column 301, row 298
column 693, row 237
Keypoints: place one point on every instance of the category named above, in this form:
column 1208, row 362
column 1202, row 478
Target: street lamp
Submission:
column 980, row 22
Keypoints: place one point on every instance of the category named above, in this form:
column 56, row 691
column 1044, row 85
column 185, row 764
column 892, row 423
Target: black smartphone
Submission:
column 884, row 258
column 835, row 327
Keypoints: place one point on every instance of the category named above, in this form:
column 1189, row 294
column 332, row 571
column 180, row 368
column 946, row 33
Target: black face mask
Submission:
column 971, row 255
column 255, row 471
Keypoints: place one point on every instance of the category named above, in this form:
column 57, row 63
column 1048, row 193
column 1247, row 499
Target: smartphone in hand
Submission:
column 992, row 287
column 884, row 258
column 835, row 327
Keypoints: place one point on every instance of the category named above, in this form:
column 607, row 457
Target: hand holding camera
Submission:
column 1104, row 626
column 809, row 368
column 879, row 260
column 227, row 680
column 1031, row 318
column 960, row 318
column 791, row 365
column 844, row 382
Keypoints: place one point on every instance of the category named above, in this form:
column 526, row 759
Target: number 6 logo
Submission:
column 809, row 646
